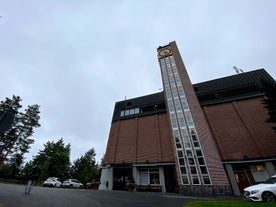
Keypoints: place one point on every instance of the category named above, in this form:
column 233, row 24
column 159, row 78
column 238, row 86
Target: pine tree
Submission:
column 17, row 139
column 269, row 89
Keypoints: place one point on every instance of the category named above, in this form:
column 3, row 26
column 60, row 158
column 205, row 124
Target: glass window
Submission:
column 182, row 122
column 189, row 153
column 181, row 161
column 195, row 180
column 154, row 177
column 183, row 170
column 203, row 170
column 180, row 153
column 184, row 104
column 131, row 111
column 177, row 139
column 189, row 119
column 173, row 120
column 178, row 146
column 175, row 132
column 198, row 152
column 148, row 176
column 136, row 111
column 196, row 144
column 186, row 141
column 143, row 178
column 206, row 180
column 126, row 112
column 185, row 180
column 191, row 161
column 201, row 161
column 174, row 92
column 122, row 113
column 194, row 137
column 172, row 59
column 193, row 170
column 177, row 104
column 170, row 105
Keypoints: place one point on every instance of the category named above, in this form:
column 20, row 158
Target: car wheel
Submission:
column 268, row 197
column 71, row 186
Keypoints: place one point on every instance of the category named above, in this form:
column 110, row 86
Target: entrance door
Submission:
column 170, row 181
column 121, row 176
column 243, row 176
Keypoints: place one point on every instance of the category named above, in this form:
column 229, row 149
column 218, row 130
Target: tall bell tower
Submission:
column 198, row 163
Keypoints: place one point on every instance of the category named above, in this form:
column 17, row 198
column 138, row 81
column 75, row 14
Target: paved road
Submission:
column 12, row 195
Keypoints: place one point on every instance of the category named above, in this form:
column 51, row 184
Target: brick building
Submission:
column 202, row 139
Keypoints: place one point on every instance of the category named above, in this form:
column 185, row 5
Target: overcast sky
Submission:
column 77, row 58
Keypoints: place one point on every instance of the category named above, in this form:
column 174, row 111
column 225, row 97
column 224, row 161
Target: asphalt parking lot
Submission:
column 12, row 195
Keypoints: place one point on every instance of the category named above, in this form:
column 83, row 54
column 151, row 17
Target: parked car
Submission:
column 72, row 183
column 93, row 185
column 265, row 191
column 52, row 182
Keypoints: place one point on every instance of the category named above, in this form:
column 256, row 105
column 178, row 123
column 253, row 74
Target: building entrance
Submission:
column 243, row 176
column 170, row 179
column 121, row 176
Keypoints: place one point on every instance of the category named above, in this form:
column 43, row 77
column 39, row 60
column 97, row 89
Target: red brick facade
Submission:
column 240, row 129
column 139, row 140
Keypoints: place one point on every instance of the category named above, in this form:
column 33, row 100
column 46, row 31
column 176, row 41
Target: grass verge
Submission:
column 235, row 203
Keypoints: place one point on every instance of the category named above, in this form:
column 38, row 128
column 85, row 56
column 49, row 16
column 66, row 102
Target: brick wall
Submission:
column 143, row 139
column 240, row 129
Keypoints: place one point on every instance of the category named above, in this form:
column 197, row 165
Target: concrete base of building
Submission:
column 202, row 190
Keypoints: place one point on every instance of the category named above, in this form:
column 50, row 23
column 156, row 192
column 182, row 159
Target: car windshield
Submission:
column 271, row 180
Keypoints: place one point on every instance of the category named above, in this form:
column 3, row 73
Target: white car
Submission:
column 265, row 191
column 72, row 183
column 52, row 182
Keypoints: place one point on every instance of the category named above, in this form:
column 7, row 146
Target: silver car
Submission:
column 265, row 191
column 52, row 182
column 72, row 183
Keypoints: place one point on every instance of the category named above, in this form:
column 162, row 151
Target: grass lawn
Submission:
column 221, row 203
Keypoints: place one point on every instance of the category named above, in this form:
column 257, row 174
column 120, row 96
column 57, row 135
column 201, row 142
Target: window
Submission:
column 193, row 170
column 174, row 123
column 206, row 180
column 201, row 161
column 181, row 161
column 195, row 180
column 180, row 153
column 178, row 146
column 203, row 170
column 185, row 180
column 149, row 176
column 183, row 170
column 189, row 119
column 131, row 111
column 122, row 113
column 177, row 104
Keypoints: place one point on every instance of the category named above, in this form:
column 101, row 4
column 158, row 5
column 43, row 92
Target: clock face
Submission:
column 165, row 52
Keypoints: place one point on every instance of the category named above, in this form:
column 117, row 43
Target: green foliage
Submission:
column 269, row 89
column 16, row 140
column 235, row 203
column 85, row 168
column 54, row 160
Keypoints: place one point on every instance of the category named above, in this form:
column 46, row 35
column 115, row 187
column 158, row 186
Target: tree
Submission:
column 54, row 160
column 269, row 89
column 16, row 140
column 85, row 168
